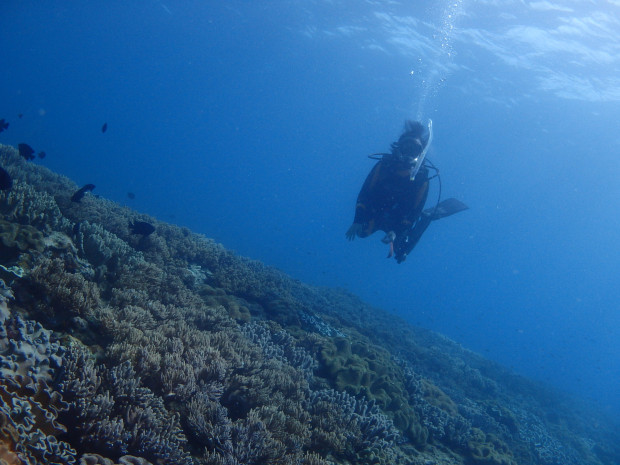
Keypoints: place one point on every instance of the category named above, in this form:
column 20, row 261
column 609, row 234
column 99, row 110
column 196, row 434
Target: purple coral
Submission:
column 116, row 415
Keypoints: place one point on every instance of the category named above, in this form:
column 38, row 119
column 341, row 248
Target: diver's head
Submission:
column 411, row 143
column 409, row 147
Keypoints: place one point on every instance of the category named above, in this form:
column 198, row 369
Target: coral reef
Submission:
column 168, row 349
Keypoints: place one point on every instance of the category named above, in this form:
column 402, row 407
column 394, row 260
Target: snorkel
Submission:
column 419, row 160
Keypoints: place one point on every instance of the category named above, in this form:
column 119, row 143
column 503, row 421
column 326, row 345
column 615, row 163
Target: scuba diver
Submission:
column 393, row 196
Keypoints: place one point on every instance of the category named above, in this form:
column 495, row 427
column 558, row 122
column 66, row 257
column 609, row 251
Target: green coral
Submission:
column 488, row 449
column 17, row 238
column 235, row 307
column 435, row 396
column 18, row 243
column 361, row 368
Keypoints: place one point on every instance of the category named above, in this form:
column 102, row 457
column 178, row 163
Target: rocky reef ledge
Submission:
column 166, row 348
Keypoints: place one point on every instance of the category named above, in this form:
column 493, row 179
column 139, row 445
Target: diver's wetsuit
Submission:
column 390, row 201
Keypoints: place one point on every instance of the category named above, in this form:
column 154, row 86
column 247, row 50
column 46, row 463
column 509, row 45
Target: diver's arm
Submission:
column 367, row 196
column 365, row 206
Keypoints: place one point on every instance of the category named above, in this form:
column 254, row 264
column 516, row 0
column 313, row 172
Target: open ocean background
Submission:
column 250, row 122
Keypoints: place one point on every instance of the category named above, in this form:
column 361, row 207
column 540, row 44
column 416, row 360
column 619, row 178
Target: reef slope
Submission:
column 121, row 348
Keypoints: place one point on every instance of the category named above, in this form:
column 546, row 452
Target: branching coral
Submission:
column 116, row 415
column 25, row 205
column 104, row 249
column 280, row 345
column 60, row 294
column 351, row 428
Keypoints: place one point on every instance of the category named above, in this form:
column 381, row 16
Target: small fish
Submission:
column 104, row 128
column 41, row 154
column 142, row 227
column 81, row 191
column 131, row 195
column 3, row 124
column 5, row 180
column 20, row 115
column 26, row 151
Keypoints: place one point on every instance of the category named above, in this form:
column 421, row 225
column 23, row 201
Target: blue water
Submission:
column 250, row 122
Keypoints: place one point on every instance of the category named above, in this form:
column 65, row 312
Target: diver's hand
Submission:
column 353, row 231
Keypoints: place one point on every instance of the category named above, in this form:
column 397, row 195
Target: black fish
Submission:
column 80, row 192
column 3, row 125
column 5, row 180
column 26, row 151
column 104, row 128
column 131, row 195
column 142, row 227
column 41, row 154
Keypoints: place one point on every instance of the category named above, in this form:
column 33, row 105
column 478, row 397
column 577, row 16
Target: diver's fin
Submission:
column 446, row 208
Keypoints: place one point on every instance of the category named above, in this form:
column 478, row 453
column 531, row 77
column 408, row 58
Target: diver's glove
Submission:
column 389, row 239
column 354, row 230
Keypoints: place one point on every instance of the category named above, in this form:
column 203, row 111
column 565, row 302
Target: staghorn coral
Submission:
column 246, row 441
column 104, row 250
column 27, row 206
column 174, row 366
column 208, row 423
column 60, row 294
column 115, row 415
column 38, row 177
column 183, row 363
column 351, row 428
column 280, row 345
column 59, row 245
